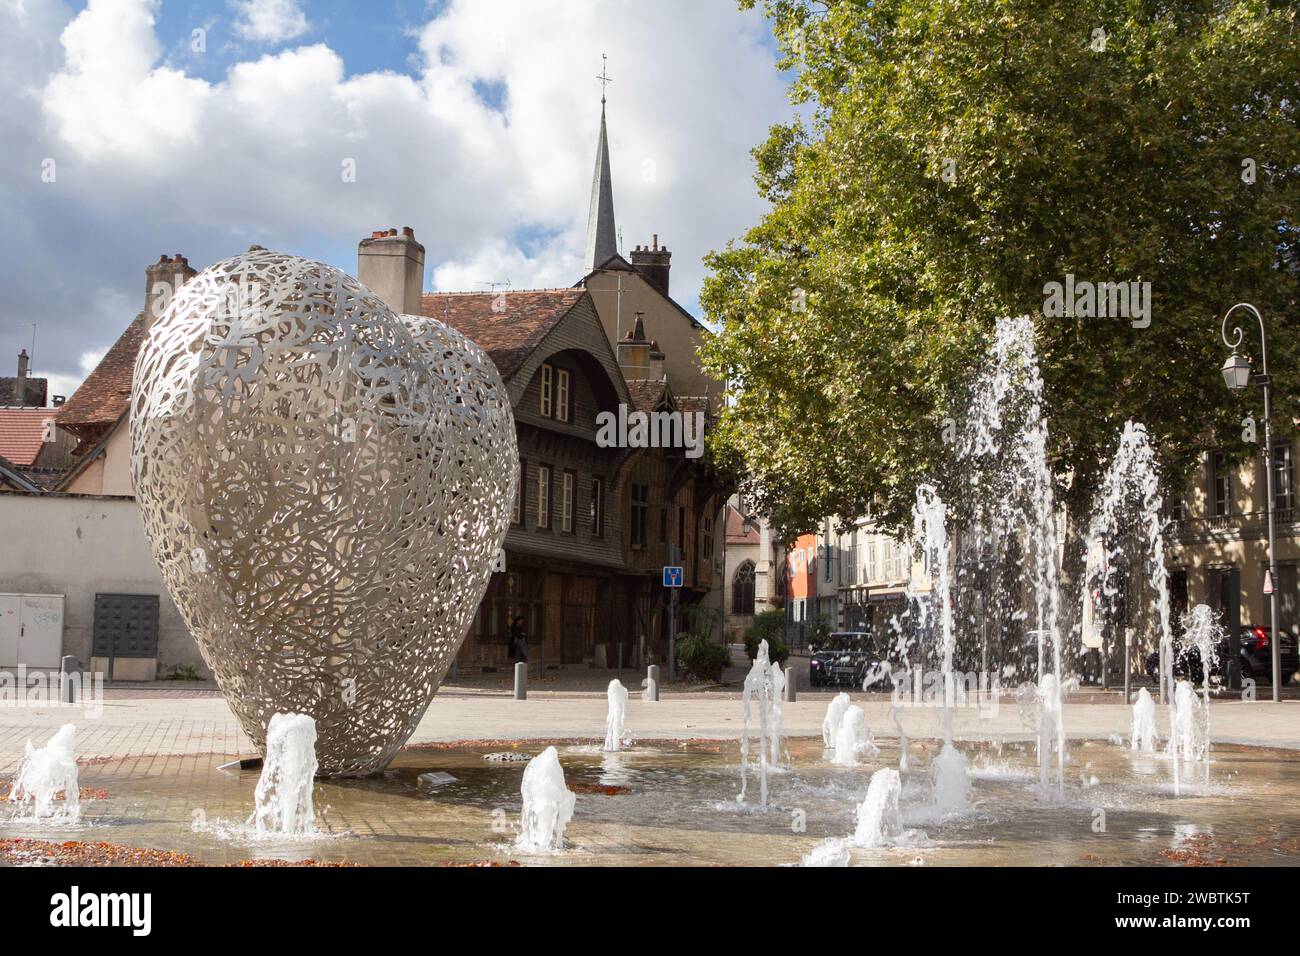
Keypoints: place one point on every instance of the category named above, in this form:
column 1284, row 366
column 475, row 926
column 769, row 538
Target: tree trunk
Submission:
column 1074, row 560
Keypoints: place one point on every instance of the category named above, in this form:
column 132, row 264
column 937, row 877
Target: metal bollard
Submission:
column 1234, row 674
column 1128, row 668
column 790, row 677
column 652, row 682
column 521, row 680
column 67, row 686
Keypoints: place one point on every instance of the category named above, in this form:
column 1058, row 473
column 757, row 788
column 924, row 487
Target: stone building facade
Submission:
column 875, row 569
column 755, row 570
column 1217, row 547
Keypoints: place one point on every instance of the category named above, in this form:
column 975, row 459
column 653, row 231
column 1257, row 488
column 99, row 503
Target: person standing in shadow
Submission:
column 518, row 640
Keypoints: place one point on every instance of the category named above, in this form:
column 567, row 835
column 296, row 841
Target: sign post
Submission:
column 672, row 581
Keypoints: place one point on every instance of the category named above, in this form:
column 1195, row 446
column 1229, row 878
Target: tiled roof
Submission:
column 38, row 390
column 507, row 335
column 22, row 433
column 740, row 531
column 693, row 403
column 646, row 393
column 106, row 392
column 47, row 479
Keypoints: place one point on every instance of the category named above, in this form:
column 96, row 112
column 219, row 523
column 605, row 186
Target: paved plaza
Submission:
column 171, row 721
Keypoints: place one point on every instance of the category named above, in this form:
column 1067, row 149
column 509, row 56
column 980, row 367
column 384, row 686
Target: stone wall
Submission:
column 80, row 545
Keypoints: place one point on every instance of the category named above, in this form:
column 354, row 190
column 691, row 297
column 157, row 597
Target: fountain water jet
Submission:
column 851, row 738
column 615, row 715
column 1050, row 700
column 1143, row 733
column 878, row 818
column 903, row 680
column 930, row 528
column 284, row 790
column 1189, row 740
column 1130, row 494
column 758, row 688
column 1005, row 444
column 834, row 714
column 1202, row 630
column 895, row 712
column 44, row 772
column 548, row 804
column 929, row 517
column 827, row 853
column 951, row 785
column 778, row 715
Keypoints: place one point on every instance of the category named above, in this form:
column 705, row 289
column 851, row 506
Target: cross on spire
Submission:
column 602, row 234
column 604, row 77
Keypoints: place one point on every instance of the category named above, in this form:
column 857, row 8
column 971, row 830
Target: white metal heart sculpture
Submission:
column 325, row 485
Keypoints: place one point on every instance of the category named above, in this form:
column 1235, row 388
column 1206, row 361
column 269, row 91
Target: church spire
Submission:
column 602, row 237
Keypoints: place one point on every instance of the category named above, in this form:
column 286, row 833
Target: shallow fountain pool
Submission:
column 673, row 803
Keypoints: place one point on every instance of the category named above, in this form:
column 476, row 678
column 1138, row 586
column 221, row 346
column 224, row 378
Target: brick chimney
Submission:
column 656, row 362
column 391, row 265
column 161, row 280
column 634, row 350
column 20, row 384
column 653, row 264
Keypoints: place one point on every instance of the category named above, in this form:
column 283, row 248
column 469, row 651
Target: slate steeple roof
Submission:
column 602, row 235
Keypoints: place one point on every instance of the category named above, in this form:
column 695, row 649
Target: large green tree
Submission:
column 951, row 159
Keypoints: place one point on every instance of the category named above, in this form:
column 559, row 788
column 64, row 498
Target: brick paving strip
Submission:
column 23, row 852
column 148, row 725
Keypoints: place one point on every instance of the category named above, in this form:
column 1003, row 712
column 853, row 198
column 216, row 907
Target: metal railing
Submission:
column 1245, row 523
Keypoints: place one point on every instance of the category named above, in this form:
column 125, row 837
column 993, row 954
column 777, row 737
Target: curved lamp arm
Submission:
column 1235, row 344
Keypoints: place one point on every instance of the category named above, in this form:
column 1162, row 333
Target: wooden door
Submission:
column 553, row 614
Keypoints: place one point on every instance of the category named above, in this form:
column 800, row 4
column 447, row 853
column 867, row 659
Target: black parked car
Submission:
column 842, row 661
column 1187, row 663
column 1253, row 652
column 850, row 657
column 1257, row 654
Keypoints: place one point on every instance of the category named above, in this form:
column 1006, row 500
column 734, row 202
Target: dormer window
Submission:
column 562, row 395
column 555, row 393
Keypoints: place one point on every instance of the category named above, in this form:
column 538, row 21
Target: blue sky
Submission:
column 369, row 35
column 473, row 121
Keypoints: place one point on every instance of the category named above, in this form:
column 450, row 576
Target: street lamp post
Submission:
column 1236, row 373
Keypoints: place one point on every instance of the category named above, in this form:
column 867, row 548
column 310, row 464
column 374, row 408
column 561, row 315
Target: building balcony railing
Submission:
column 877, row 583
column 1248, row 524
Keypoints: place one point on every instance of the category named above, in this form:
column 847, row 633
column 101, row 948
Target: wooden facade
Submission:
column 593, row 526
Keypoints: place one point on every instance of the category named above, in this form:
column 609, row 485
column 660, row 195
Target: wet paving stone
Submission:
column 674, row 803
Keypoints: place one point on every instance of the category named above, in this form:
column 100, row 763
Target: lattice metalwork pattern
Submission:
column 325, row 485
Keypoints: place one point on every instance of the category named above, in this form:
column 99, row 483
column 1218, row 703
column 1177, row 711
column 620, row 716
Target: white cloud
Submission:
column 153, row 160
column 269, row 21
column 499, row 261
column 107, row 99
column 65, row 385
